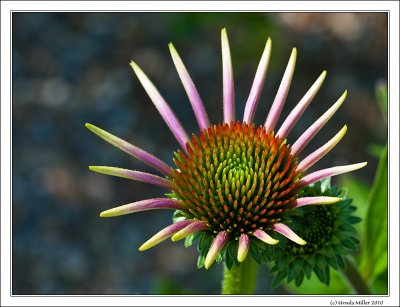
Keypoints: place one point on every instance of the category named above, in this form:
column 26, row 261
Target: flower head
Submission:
column 234, row 184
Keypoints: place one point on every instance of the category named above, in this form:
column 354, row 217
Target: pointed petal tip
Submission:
column 133, row 64
column 172, row 49
column 92, row 128
column 274, row 242
column 301, row 242
column 362, row 164
column 142, row 248
column 105, row 213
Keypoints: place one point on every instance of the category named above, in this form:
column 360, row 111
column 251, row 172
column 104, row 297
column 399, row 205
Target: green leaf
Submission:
column 278, row 278
column 337, row 286
column 299, row 279
column 358, row 190
column 375, row 236
column 307, row 269
column 190, row 239
column 340, row 262
column 291, row 272
column 201, row 260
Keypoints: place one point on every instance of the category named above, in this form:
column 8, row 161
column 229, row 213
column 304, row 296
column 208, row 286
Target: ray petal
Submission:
column 263, row 236
column 288, row 233
column 144, row 205
column 281, row 95
column 131, row 174
column 190, row 89
column 166, row 113
column 307, row 136
column 132, row 150
column 298, row 110
column 328, row 172
column 244, row 246
column 164, row 234
column 193, row 227
column 316, row 200
column 228, row 84
column 314, row 157
column 218, row 244
column 258, row 83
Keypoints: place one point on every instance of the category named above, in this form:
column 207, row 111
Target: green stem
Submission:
column 354, row 277
column 240, row 280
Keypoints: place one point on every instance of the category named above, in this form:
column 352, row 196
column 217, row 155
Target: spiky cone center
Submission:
column 315, row 224
column 236, row 178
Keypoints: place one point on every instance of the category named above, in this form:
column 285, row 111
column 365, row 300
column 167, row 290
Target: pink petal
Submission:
column 227, row 73
column 244, row 246
column 281, row 95
column 218, row 244
column 314, row 157
column 307, row 136
column 288, row 233
column 258, row 83
column 190, row 89
column 328, row 172
column 263, row 236
column 132, row 150
column 164, row 234
column 166, row 113
column 316, row 200
column 135, row 175
column 193, row 227
column 295, row 114
column 144, row 205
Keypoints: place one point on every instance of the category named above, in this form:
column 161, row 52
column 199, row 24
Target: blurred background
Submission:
column 73, row 68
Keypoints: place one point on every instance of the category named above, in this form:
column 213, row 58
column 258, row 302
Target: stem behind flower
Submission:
column 240, row 280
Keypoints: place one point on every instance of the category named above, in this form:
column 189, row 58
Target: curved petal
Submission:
column 132, row 150
column 190, row 89
column 328, row 172
column 281, row 95
column 164, row 234
column 258, row 83
column 144, row 205
column 288, row 233
column 218, row 244
column 263, row 236
column 166, row 113
column 307, row 136
column 228, row 84
column 316, row 200
column 298, row 110
column 314, row 157
column 135, row 175
column 244, row 246
column 193, row 227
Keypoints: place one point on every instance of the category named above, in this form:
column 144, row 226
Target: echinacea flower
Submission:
column 234, row 183
column 329, row 233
